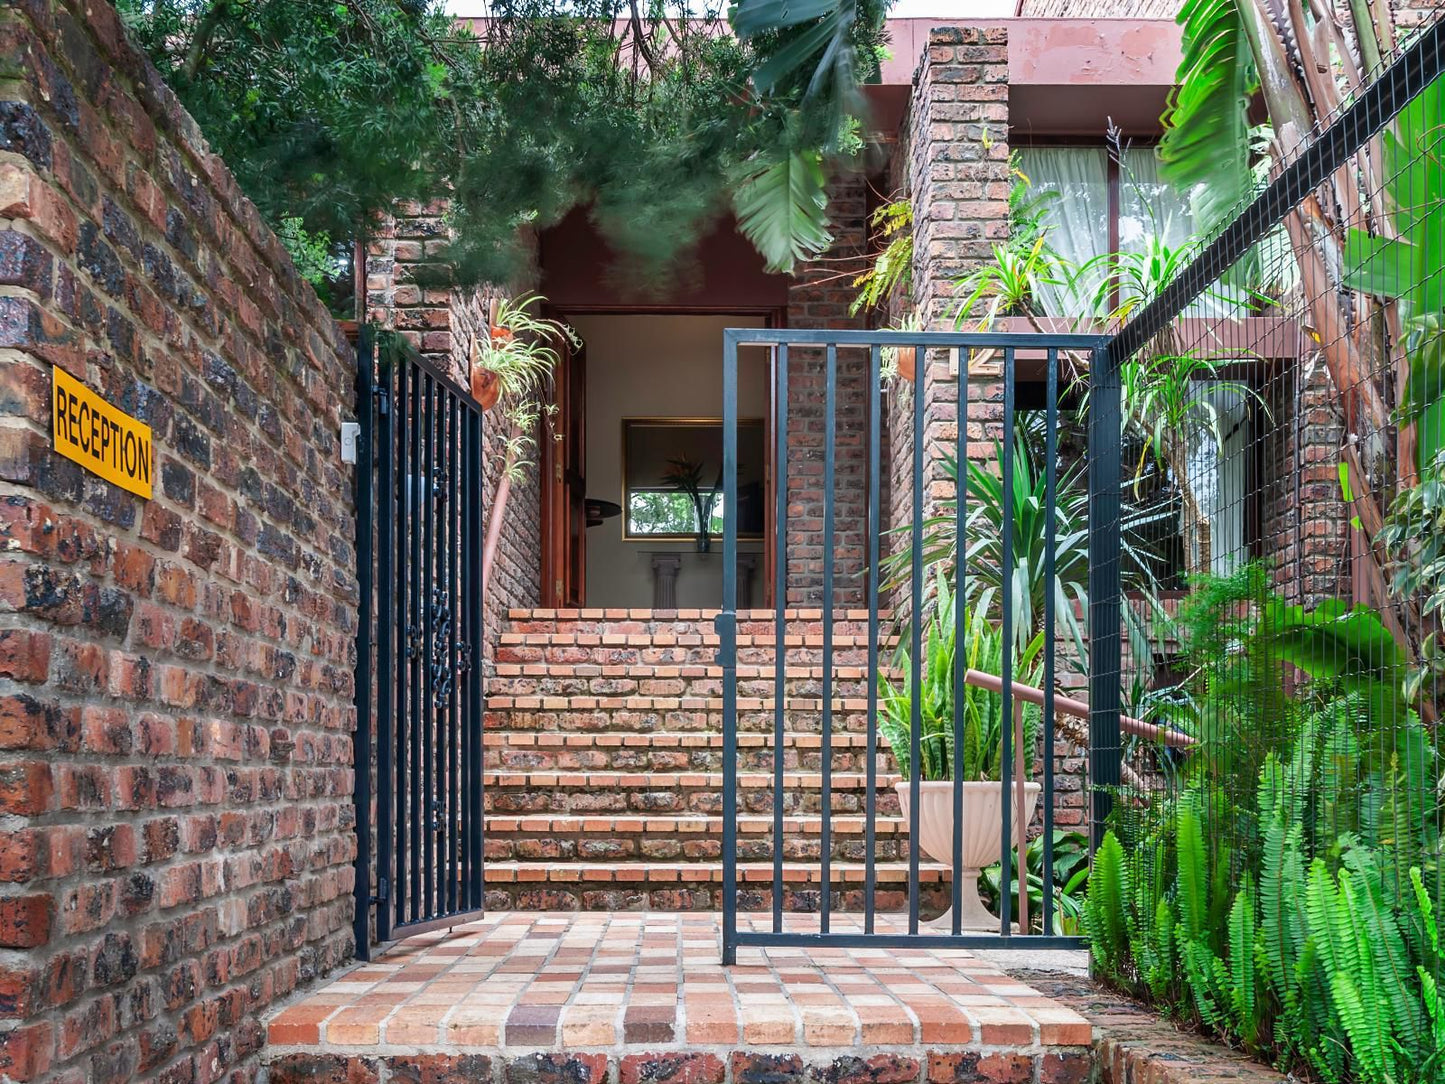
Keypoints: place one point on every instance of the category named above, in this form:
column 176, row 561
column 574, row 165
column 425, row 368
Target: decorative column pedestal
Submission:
column 665, row 567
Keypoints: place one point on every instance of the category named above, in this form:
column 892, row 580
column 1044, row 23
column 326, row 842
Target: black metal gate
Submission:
column 418, row 671
column 873, row 925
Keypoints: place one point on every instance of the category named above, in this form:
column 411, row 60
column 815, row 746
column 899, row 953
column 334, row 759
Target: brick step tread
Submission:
column 793, row 825
column 614, row 739
column 667, row 616
column 844, row 637
column 712, row 872
column 561, row 670
column 792, row 780
column 502, row 702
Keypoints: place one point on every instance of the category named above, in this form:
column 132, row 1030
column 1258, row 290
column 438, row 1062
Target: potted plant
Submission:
column 511, row 369
column 984, row 730
column 686, row 475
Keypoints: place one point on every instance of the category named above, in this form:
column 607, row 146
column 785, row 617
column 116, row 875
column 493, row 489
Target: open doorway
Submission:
column 637, row 459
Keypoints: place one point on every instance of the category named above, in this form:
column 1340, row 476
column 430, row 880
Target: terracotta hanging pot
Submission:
column 907, row 358
column 486, row 387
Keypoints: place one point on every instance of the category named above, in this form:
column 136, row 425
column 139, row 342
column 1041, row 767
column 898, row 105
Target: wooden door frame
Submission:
column 554, row 526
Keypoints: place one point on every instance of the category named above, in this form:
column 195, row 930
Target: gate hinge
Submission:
column 726, row 624
column 383, row 890
column 383, row 400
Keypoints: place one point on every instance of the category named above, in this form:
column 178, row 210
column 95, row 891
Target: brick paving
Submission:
column 636, row 997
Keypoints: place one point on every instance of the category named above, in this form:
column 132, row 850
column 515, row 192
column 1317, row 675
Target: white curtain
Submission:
column 1217, row 475
column 1148, row 205
column 1073, row 183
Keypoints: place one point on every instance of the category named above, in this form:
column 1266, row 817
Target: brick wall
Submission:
column 1305, row 530
column 819, row 297
column 958, row 179
column 443, row 324
column 175, row 674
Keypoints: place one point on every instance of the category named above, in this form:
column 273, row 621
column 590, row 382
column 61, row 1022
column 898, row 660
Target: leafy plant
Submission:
column 520, row 350
column 1279, row 897
column 1070, row 880
column 983, row 729
column 892, row 267
column 983, row 581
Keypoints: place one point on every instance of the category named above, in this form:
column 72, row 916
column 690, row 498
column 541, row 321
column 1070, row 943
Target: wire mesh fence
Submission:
column 1277, row 874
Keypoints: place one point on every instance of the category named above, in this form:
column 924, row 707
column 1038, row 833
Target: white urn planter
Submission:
column 982, row 829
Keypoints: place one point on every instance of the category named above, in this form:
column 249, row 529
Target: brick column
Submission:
column 958, row 180
column 444, row 323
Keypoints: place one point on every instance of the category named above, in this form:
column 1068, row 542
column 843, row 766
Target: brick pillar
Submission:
column 444, row 323
column 958, row 180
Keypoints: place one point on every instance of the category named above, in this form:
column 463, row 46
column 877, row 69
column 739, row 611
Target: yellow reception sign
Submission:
column 102, row 439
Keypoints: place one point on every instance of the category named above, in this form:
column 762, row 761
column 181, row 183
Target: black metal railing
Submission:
column 418, row 673
column 812, row 352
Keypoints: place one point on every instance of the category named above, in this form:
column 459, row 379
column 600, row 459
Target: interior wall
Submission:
column 657, row 367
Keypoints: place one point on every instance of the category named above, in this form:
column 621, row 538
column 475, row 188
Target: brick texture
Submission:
column 444, row 324
column 175, row 674
column 819, row 298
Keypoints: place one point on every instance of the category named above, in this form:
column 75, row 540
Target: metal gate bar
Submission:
column 419, row 546
column 1104, row 623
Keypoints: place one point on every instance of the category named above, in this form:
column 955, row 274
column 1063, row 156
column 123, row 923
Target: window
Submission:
column 672, row 477
column 1101, row 208
column 1104, row 206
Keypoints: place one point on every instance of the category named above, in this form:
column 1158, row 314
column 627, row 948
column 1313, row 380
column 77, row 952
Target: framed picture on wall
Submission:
column 672, row 475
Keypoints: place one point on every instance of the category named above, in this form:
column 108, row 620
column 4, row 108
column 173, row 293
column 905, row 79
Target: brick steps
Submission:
column 603, row 772
column 708, row 872
column 565, row 824
column 694, row 839
column 662, row 751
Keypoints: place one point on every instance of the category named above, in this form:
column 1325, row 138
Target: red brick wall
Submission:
column 819, row 297
column 443, row 324
column 175, row 674
column 958, row 179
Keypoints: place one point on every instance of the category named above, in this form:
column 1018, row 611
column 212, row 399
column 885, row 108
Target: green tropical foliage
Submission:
column 1206, row 147
column 1070, row 881
column 329, row 112
column 983, row 727
column 1284, row 895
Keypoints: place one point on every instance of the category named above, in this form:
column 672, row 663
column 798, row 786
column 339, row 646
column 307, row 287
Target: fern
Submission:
column 1244, row 1001
column 1105, row 905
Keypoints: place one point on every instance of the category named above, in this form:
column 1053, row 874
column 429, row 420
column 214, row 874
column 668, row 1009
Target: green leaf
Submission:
column 1380, row 266
column 1205, row 149
column 781, row 206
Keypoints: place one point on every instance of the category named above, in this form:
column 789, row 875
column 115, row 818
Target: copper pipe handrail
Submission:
column 1069, row 706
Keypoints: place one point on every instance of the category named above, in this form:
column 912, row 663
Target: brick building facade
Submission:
column 176, row 701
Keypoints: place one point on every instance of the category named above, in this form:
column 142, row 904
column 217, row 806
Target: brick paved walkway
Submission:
column 585, row 998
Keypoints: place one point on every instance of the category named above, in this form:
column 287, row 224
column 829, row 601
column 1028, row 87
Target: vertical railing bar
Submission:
column 960, row 654
column 1006, row 718
column 875, row 527
column 830, row 427
column 465, row 739
column 454, row 602
column 1051, row 425
column 400, row 500
column 385, row 445
column 361, row 749
column 428, row 793
column 415, row 482
column 1104, row 646
column 780, row 621
column 915, row 621
column 727, row 646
